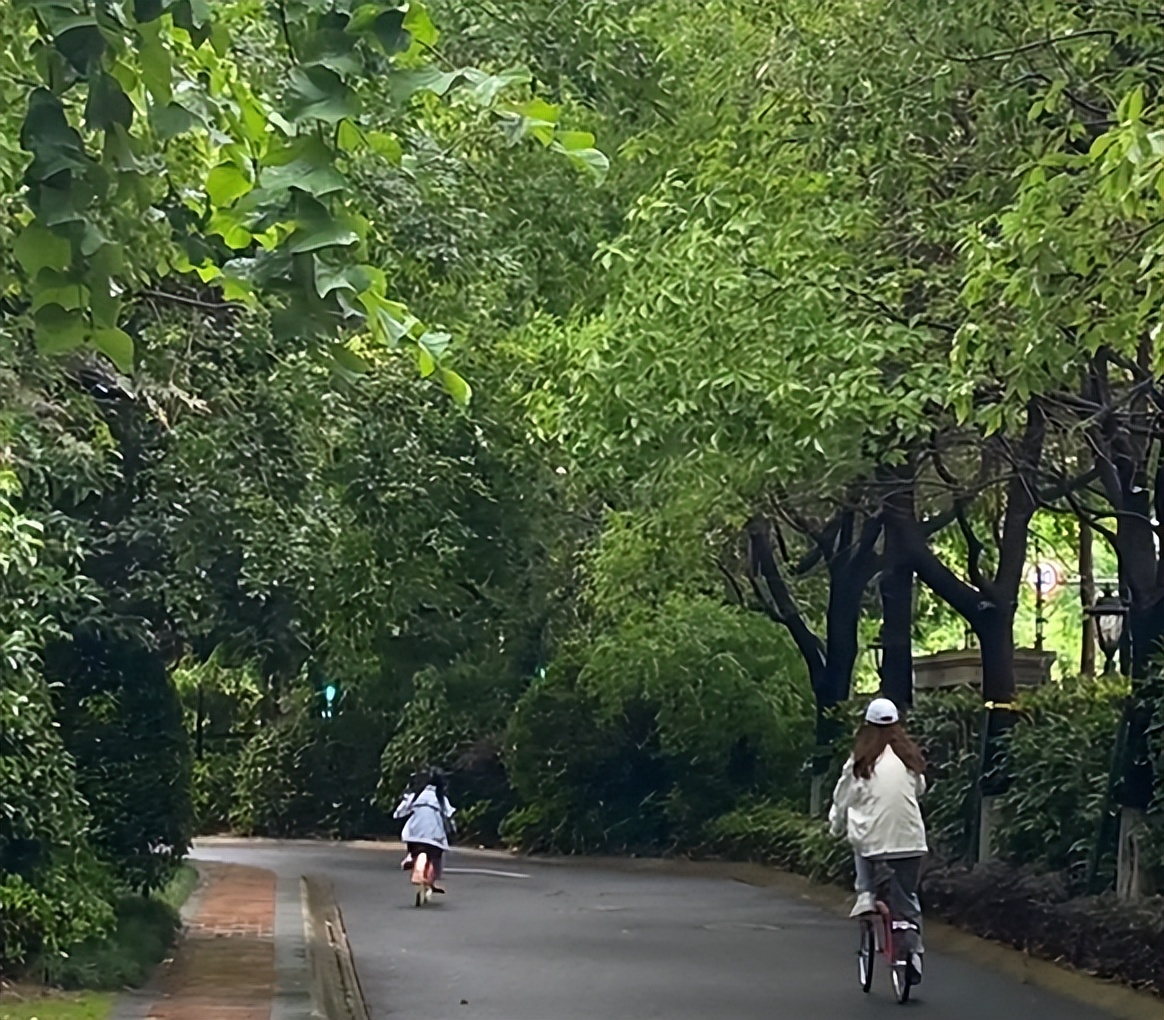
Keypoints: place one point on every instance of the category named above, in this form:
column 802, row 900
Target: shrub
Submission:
column 782, row 836
column 212, row 790
column 307, row 776
column 122, row 722
column 947, row 725
column 1100, row 935
column 426, row 734
column 145, row 929
column 447, row 722
column 1058, row 754
column 1060, row 757
column 53, row 890
column 668, row 721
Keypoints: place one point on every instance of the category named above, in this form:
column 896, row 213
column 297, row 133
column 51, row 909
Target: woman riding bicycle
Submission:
column 876, row 803
column 430, row 820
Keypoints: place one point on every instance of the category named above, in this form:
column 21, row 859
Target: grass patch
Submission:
column 146, row 929
column 37, row 1004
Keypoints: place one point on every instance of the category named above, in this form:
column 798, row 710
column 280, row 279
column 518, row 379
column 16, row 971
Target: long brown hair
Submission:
column 871, row 742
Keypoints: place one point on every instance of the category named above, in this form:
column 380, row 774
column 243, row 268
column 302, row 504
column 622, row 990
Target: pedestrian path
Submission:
column 224, row 968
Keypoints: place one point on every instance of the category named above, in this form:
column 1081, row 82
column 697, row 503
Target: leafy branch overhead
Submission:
column 154, row 144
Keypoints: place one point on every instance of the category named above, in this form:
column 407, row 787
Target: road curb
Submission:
column 335, row 984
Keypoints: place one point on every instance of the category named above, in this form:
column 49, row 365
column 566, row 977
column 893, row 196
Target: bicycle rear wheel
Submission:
column 866, row 954
column 902, row 982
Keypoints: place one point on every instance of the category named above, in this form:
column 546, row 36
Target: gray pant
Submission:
column 903, row 901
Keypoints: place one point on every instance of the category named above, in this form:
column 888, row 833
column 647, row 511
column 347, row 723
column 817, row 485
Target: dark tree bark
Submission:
column 986, row 603
column 896, row 591
column 1087, row 598
column 851, row 560
column 1123, row 442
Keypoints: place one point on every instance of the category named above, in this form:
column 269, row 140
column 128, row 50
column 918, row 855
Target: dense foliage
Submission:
column 568, row 394
column 671, row 719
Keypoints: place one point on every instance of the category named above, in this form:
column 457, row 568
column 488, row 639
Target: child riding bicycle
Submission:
column 876, row 804
column 430, row 820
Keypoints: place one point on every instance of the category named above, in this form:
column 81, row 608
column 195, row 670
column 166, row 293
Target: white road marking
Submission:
column 484, row 871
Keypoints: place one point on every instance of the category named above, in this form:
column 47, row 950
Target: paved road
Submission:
column 543, row 941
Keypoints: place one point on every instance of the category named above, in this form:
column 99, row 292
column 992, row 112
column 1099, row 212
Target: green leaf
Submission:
column 322, row 231
column 1133, row 103
column 420, row 26
column 55, row 144
column 349, row 360
column 172, row 120
column 386, row 145
column 193, row 17
column 539, row 110
column 53, row 287
column 425, row 363
column 156, row 70
column 349, row 138
column 306, row 165
column 331, row 277
column 107, row 104
column 390, row 321
column 456, row 387
column 229, row 225
column 58, row 329
column 435, row 343
column 390, row 32
column 37, row 248
column 318, row 93
column 405, row 84
column 537, row 118
column 117, row 346
column 226, row 183
column 485, row 88
column 592, row 161
column 145, row 11
column 104, row 306
column 80, row 42
column 572, row 141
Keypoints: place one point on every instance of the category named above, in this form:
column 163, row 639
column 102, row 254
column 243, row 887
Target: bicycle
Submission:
column 877, row 938
column 423, row 876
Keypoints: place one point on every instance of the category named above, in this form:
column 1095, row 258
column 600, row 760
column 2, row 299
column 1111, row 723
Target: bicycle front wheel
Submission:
column 866, row 954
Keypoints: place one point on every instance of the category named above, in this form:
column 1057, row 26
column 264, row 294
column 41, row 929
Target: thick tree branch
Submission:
column 770, row 587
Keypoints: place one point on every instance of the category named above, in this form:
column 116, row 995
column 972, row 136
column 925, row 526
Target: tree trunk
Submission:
column 994, row 627
column 1087, row 598
column 897, row 635
column 830, row 663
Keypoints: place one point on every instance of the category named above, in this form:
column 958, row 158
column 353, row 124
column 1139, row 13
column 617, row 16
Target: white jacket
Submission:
column 881, row 814
column 427, row 822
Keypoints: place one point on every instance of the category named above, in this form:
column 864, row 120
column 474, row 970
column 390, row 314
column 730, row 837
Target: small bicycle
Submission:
column 423, row 876
column 877, row 938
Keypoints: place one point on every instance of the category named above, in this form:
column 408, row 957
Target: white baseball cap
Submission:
column 881, row 712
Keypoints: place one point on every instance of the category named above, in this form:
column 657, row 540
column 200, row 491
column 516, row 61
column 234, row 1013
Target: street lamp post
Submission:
column 1108, row 612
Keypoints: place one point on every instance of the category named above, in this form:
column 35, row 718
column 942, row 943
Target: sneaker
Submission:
column 866, row 904
column 406, row 864
column 438, row 889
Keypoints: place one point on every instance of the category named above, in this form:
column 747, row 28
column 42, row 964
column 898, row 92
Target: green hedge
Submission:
column 212, row 790
column 672, row 719
column 53, row 889
column 782, row 836
column 308, row 776
column 121, row 720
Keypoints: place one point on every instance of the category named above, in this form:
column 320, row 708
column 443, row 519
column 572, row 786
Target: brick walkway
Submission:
column 225, row 966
